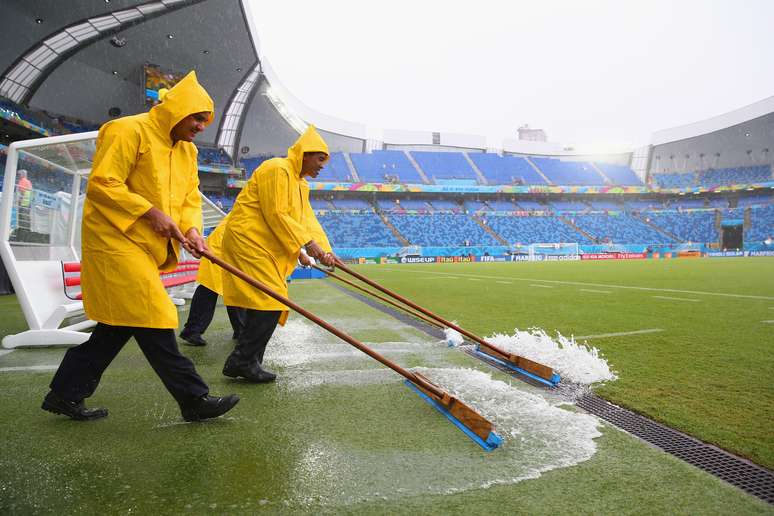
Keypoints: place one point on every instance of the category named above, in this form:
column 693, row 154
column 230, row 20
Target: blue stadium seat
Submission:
column 506, row 170
column 382, row 165
column 568, row 172
column 619, row 174
column 444, row 165
column 441, row 229
column 535, row 229
column 357, row 230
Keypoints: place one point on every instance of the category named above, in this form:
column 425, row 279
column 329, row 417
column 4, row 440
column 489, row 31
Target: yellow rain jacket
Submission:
column 211, row 275
column 137, row 166
column 270, row 222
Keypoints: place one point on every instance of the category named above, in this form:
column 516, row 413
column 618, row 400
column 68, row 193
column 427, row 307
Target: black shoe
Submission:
column 77, row 411
column 208, row 407
column 252, row 373
column 235, row 335
column 193, row 339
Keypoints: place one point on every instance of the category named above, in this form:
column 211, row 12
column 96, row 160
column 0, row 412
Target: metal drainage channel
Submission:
column 751, row 478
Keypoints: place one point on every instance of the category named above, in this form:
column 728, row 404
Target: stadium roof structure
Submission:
column 81, row 59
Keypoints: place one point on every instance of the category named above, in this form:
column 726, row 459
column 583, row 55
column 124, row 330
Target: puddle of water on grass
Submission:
column 539, row 436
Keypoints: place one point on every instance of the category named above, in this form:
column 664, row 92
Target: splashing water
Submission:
column 574, row 362
column 453, row 337
column 539, row 436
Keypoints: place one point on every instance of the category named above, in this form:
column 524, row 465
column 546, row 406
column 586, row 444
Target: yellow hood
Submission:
column 185, row 98
column 310, row 141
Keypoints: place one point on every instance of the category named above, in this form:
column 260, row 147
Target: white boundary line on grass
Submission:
column 595, row 291
column 584, row 284
column 541, row 286
column 619, row 334
column 29, row 368
column 677, row 298
column 768, row 322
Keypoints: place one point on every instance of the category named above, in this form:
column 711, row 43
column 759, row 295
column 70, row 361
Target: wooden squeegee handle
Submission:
column 340, row 334
column 415, row 306
column 377, row 296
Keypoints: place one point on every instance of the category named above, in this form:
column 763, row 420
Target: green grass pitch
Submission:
column 340, row 434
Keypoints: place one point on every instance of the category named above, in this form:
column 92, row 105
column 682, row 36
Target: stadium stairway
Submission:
column 599, row 171
column 417, row 167
column 539, row 172
column 480, row 175
column 489, row 230
column 576, row 228
column 403, row 240
column 351, row 167
column 657, row 228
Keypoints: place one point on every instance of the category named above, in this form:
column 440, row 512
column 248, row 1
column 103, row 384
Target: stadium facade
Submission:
column 702, row 188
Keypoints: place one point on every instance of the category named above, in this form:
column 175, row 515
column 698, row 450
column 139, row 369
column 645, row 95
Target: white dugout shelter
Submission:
column 37, row 240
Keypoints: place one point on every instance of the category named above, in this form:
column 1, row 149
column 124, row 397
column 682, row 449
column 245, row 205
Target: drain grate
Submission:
column 750, row 477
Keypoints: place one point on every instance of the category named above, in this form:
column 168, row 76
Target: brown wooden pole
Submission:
column 379, row 297
column 525, row 363
column 340, row 334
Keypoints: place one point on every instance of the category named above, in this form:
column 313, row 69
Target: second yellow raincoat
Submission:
column 270, row 222
column 138, row 166
column 210, row 275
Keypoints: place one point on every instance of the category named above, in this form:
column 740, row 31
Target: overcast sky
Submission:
column 585, row 71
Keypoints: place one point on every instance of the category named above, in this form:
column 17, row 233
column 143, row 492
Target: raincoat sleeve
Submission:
column 116, row 156
column 191, row 212
column 316, row 231
column 274, row 197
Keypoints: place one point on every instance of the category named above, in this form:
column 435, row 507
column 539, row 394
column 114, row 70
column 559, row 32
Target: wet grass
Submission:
column 706, row 374
column 311, row 443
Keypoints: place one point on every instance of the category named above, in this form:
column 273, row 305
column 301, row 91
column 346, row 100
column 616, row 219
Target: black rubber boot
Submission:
column 235, row 367
column 208, row 407
column 193, row 339
column 74, row 410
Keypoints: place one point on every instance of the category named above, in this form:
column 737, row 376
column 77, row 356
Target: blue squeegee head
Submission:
column 490, row 443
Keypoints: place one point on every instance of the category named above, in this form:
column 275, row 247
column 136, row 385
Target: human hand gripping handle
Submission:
column 166, row 227
column 314, row 250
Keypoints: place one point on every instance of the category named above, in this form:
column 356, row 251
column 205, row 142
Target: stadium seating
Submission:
column 755, row 200
column 502, row 206
column 535, row 229
column 506, row 170
column 445, row 205
column 681, row 180
column 531, row 205
column 619, row 229
column 619, row 174
column 213, row 156
column 336, row 170
column 761, row 224
column 250, row 164
column 692, row 226
column 738, row 175
column 569, row 206
column 568, row 172
column 357, row 230
column 444, row 165
column 605, row 205
column 384, row 166
column 441, row 229
column 351, row 204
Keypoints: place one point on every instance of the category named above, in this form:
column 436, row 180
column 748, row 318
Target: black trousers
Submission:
column 81, row 369
column 258, row 329
column 202, row 310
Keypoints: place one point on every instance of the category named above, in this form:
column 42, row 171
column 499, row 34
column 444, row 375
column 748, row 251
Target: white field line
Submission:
column 541, row 286
column 619, row 334
column 29, row 368
column 511, row 283
column 585, row 284
column 768, row 322
column 677, row 298
column 6, row 351
column 474, row 279
column 595, row 291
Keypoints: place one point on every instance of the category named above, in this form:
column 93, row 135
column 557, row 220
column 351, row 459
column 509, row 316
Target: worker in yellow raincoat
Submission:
column 142, row 199
column 270, row 223
column 205, row 298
